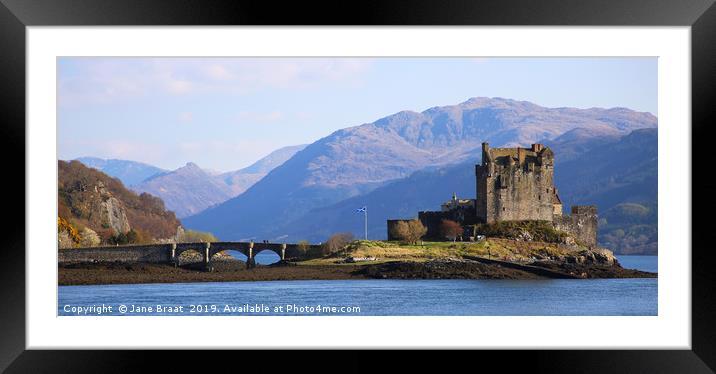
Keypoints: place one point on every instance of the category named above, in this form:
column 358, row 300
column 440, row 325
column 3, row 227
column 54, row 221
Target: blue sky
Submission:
column 225, row 113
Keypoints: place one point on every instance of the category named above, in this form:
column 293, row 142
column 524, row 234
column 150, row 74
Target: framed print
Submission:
column 513, row 178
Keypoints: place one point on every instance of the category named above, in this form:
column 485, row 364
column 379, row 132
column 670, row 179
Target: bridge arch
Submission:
column 189, row 256
column 235, row 254
column 219, row 249
column 267, row 256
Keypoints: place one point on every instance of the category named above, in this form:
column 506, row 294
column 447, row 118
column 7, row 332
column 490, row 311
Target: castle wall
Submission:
column 432, row 221
column 581, row 224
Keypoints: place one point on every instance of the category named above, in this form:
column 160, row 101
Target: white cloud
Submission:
column 178, row 86
column 219, row 72
column 98, row 80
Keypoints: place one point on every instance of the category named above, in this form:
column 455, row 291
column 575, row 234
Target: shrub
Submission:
column 64, row 240
column 337, row 242
column 303, row 246
column 89, row 238
column 118, row 239
column 133, row 237
column 71, row 234
column 191, row 236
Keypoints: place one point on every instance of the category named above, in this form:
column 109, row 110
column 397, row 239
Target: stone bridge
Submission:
column 169, row 253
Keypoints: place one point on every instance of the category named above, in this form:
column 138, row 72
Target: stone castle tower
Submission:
column 515, row 184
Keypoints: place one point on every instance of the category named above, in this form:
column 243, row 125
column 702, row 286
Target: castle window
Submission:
column 539, row 197
column 503, row 209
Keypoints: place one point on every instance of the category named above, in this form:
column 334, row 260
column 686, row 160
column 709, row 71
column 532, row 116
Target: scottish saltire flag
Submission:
column 361, row 209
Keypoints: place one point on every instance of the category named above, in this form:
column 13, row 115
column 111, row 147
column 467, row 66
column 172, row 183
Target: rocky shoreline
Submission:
column 231, row 271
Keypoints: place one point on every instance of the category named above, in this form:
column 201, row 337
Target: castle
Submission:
column 513, row 184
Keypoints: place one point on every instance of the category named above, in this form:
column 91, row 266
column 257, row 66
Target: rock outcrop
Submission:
column 113, row 215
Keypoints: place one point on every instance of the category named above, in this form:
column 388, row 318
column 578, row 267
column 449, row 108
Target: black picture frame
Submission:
column 700, row 15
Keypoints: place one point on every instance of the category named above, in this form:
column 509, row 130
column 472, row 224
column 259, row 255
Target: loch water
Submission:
column 561, row 297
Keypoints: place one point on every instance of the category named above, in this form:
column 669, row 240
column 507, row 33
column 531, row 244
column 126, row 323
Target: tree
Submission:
column 450, row 229
column 130, row 237
column 136, row 236
column 191, row 236
column 399, row 230
column 118, row 239
column 416, row 230
column 71, row 236
column 89, row 238
column 337, row 242
column 410, row 230
column 64, row 240
column 303, row 246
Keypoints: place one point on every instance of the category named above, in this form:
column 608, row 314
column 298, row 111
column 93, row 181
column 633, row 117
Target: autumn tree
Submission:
column 337, row 242
column 192, row 236
column 303, row 246
column 89, row 238
column 68, row 236
column 450, row 229
column 409, row 230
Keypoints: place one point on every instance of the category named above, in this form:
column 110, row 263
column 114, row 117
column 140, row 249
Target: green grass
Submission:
column 385, row 251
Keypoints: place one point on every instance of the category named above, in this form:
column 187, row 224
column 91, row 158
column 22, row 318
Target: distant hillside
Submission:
column 190, row 189
column 621, row 178
column 607, row 174
column 630, row 228
column 240, row 180
column 423, row 190
column 129, row 172
column 357, row 160
column 186, row 190
column 625, row 193
column 90, row 199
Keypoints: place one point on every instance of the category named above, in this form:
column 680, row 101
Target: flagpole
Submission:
column 366, row 222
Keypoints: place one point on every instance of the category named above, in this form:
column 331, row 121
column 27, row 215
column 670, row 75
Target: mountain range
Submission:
column 608, row 172
column 189, row 189
column 129, row 172
column 384, row 156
